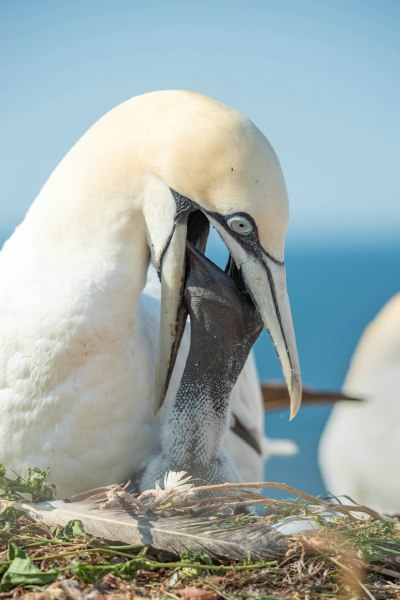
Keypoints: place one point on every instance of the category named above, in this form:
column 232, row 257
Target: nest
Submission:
column 181, row 541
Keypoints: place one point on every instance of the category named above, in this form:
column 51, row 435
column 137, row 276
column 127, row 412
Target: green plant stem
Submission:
column 155, row 564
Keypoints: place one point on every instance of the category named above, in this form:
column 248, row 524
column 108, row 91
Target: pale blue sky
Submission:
column 320, row 79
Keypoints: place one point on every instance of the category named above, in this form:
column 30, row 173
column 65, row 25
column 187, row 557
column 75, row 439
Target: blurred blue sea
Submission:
column 335, row 290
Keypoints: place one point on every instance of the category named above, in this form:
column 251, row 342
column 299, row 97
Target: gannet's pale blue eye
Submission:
column 240, row 224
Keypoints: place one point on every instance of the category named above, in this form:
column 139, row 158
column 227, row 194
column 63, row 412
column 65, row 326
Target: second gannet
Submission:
column 360, row 447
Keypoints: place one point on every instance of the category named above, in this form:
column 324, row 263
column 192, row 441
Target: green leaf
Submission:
column 14, row 551
column 23, row 572
column 73, row 530
column 196, row 557
column 87, row 573
column 35, row 485
column 128, row 570
column 8, row 519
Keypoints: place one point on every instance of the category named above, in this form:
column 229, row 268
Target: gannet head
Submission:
column 220, row 170
column 174, row 162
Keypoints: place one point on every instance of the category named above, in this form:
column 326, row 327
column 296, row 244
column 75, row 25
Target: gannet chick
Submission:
column 224, row 326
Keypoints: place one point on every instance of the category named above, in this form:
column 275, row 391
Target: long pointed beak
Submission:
column 266, row 284
column 265, row 280
column 173, row 313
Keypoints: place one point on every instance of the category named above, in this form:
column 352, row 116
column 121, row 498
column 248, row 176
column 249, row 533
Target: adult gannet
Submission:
column 360, row 447
column 79, row 340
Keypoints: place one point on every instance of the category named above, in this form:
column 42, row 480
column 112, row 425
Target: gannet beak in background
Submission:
column 275, row 396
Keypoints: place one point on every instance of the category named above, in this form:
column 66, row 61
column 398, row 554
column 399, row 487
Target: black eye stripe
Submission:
column 251, row 241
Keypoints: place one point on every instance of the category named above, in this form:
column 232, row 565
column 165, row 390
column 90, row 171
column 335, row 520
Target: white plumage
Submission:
column 360, row 447
column 78, row 335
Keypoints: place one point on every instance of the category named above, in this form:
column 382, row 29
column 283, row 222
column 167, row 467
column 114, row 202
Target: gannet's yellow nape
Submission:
column 79, row 340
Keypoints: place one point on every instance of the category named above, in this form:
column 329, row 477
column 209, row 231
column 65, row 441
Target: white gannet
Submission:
column 80, row 341
column 360, row 446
